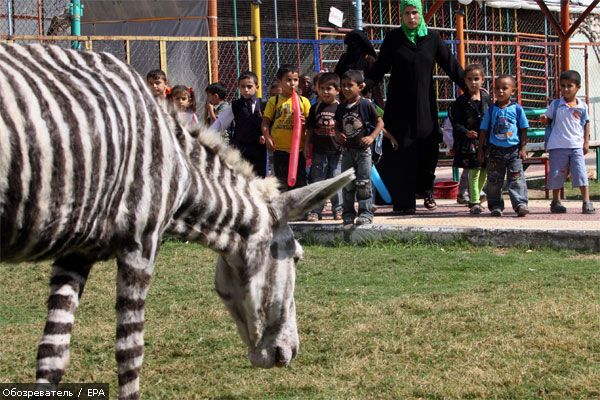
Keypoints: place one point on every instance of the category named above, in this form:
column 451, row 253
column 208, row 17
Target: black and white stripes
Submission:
column 92, row 168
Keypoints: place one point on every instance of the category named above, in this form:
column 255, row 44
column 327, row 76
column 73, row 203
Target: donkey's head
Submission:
column 258, row 286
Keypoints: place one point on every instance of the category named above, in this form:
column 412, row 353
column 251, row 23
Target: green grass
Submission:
column 387, row 321
column 570, row 192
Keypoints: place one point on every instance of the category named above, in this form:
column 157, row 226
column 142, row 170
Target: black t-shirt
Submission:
column 322, row 121
column 349, row 122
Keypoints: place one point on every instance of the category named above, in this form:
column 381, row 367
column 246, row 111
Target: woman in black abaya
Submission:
column 411, row 52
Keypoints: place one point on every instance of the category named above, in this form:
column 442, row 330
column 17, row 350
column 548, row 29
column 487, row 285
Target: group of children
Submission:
column 490, row 138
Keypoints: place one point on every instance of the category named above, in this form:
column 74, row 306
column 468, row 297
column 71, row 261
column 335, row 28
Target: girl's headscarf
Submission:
column 421, row 29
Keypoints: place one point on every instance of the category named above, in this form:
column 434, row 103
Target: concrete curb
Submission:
column 586, row 240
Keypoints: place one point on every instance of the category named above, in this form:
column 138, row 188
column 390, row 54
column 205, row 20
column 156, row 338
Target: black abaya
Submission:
column 411, row 111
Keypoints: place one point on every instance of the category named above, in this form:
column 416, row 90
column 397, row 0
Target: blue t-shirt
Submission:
column 506, row 123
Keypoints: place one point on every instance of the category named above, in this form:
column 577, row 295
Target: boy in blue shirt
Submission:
column 568, row 142
column 502, row 144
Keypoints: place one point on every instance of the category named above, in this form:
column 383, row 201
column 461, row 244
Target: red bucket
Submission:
column 445, row 190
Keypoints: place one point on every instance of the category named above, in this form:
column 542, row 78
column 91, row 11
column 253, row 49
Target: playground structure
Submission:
column 521, row 42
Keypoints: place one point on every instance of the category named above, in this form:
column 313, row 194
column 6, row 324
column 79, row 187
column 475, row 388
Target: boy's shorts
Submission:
column 560, row 162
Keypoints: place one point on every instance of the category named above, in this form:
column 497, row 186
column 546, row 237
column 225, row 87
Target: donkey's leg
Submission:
column 133, row 280
column 69, row 275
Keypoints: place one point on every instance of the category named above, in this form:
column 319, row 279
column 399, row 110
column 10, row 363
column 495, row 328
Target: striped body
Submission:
column 92, row 168
column 90, row 162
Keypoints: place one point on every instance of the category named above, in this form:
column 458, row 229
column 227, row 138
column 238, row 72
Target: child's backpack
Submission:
column 377, row 146
column 548, row 130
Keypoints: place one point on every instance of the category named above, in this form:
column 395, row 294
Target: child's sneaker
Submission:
column 363, row 221
column 337, row 215
column 496, row 212
column 556, row 207
column 312, row 217
column 462, row 199
column 588, row 208
column 475, row 209
column 522, row 210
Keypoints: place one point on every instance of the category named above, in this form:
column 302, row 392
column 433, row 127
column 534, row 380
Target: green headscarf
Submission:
column 421, row 29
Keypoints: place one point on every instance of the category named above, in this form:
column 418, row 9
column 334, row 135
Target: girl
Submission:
column 184, row 101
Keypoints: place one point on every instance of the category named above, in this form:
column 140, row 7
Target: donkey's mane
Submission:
column 231, row 157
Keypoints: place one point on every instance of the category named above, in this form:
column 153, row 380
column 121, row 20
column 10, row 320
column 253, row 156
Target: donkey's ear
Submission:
column 295, row 203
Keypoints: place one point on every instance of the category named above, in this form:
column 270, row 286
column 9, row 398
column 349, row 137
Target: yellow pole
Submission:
column 162, row 45
column 256, row 51
column 316, row 20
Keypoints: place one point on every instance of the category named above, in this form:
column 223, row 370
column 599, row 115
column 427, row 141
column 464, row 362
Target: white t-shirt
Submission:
column 568, row 124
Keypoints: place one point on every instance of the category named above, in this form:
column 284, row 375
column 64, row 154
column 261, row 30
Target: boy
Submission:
column 278, row 137
column 568, row 142
column 356, row 133
column 158, row 83
column 466, row 114
column 320, row 132
column 215, row 104
column 246, row 114
column 504, row 137
column 306, row 89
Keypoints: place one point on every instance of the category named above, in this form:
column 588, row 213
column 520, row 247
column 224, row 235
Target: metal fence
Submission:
column 186, row 61
column 534, row 63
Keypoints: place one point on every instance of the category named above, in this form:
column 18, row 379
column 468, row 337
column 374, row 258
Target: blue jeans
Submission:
column 505, row 162
column 360, row 189
column 325, row 166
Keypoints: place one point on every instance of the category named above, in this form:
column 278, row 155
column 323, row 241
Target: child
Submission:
column 215, row 104
column 320, row 133
column 246, row 114
column 158, row 83
column 568, row 142
column 356, row 135
column 278, row 137
column 503, row 135
column 306, row 89
column 466, row 114
column 184, row 101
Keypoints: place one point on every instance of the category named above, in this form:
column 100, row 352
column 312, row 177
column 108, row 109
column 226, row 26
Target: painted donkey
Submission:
column 91, row 168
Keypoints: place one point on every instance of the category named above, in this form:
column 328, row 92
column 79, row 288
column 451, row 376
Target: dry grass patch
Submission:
column 387, row 321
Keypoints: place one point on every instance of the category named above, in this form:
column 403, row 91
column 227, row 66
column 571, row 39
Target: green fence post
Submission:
column 76, row 10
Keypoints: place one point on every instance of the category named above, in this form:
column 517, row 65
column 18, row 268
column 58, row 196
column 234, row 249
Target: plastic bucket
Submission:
column 445, row 190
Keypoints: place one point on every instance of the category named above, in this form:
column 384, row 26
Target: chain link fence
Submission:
column 186, row 61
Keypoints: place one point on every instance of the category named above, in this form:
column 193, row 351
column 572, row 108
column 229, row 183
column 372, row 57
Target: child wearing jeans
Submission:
column 466, row 114
column 568, row 142
column 356, row 134
column 503, row 140
column 320, row 133
column 278, row 136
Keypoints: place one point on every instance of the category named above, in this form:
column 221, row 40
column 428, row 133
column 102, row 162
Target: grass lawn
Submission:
column 387, row 321
column 570, row 193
